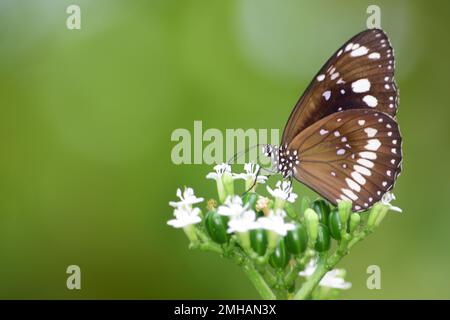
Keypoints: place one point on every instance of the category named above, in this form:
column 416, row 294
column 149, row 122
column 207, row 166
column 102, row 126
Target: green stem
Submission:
column 358, row 237
column 297, row 267
column 213, row 247
column 258, row 281
column 239, row 257
column 324, row 265
column 307, row 288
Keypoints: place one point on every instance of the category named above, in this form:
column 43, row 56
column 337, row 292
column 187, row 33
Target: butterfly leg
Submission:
column 268, row 174
column 254, row 181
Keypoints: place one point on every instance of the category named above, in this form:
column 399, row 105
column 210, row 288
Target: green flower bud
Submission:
column 322, row 208
column 258, row 239
column 279, row 259
column 345, row 208
column 228, row 184
column 335, row 225
column 221, row 191
column 250, row 199
column 304, row 204
column 374, row 216
column 290, row 211
column 323, row 241
column 244, row 239
column 312, row 222
column 272, row 239
column 190, row 233
column 384, row 210
column 355, row 220
column 216, row 227
column 297, row 239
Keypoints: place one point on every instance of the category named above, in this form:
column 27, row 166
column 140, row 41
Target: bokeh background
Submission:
column 86, row 118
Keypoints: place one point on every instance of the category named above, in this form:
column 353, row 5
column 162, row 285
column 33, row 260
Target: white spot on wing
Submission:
column 361, row 85
column 373, row 144
column 362, row 170
column 323, row 132
column 320, row 77
column 371, row 101
column 374, row 55
column 327, row 95
column 365, row 162
column 334, row 75
column 371, row 132
column 358, row 178
column 350, row 194
column 359, row 52
column 353, row 185
column 368, row 155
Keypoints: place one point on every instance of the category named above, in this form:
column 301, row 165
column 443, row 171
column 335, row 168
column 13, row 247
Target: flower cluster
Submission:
column 274, row 239
column 184, row 213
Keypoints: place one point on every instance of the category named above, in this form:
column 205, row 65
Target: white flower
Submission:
column 185, row 216
column 187, row 198
column 283, row 191
column 332, row 279
column 232, row 207
column 386, row 200
column 275, row 222
column 243, row 222
column 220, row 170
column 251, row 170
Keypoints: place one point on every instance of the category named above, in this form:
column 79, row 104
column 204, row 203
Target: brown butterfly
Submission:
column 342, row 138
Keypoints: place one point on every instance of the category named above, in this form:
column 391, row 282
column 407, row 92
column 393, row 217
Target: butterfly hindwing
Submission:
column 359, row 75
column 353, row 155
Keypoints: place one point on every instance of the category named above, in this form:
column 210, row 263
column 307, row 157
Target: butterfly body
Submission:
column 342, row 138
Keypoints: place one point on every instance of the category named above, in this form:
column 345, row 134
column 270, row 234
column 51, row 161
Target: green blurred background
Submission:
column 86, row 119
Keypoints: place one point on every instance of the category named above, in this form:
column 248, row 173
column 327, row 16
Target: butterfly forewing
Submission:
column 359, row 75
column 350, row 155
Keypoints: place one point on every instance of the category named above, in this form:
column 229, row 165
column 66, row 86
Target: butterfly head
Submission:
column 283, row 159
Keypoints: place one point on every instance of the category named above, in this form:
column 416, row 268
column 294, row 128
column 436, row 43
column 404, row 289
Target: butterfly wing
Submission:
column 353, row 155
column 359, row 75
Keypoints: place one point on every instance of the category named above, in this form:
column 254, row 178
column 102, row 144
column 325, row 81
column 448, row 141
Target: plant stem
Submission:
column 299, row 265
column 213, row 247
column 240, row 258
column 324, row 265
column 258, row 281
column 307, row 287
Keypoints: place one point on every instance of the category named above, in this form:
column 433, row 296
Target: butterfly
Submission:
column 342, row 138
